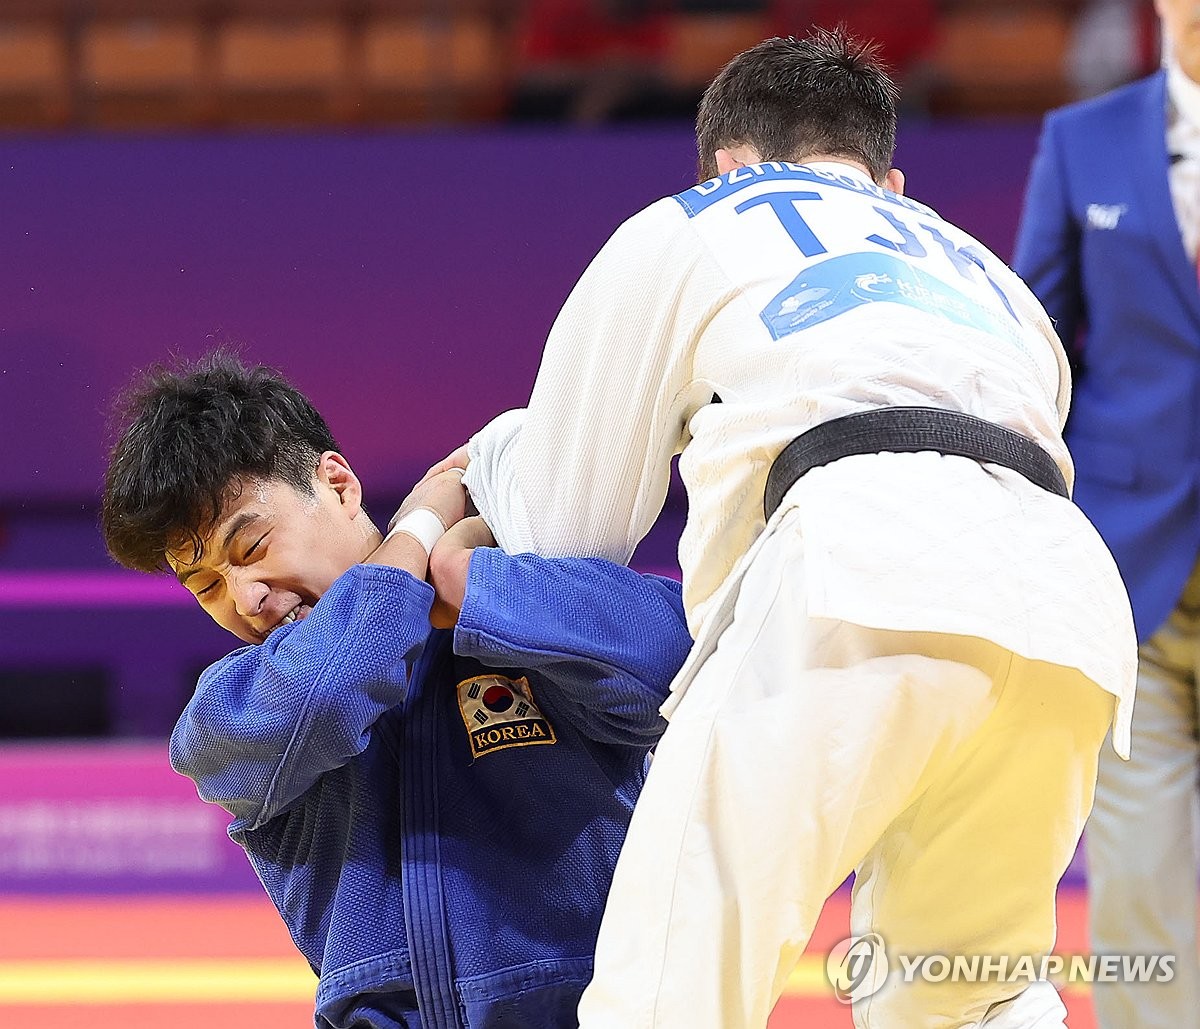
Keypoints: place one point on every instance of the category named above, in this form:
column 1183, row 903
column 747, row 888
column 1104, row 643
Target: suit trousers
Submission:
column 952, row 775
column 1141, row 839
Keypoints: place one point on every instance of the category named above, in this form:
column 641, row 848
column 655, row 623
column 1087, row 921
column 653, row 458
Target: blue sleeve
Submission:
column 610, row 640
column 266, row 721
column 1048, row 240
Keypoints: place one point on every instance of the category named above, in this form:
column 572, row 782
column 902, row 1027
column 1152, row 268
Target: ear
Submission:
column 894, row 180
column 726, row 162
column 334, row 472
column 729, row 158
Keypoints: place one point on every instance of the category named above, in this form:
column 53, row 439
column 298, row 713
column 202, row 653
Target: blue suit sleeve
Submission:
column 608, row 639
column 266, row 721
column 1048, row 240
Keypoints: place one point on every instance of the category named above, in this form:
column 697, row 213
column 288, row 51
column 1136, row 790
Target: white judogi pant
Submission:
column 1141, row 850
column 952, row 775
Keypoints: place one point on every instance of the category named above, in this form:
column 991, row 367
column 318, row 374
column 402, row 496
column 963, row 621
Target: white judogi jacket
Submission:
column 798, row 294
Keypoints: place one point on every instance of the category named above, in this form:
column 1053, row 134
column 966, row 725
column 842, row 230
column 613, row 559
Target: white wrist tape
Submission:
column 424, row 525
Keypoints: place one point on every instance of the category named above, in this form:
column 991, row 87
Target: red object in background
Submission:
column 1149, row 38
column 587, row 31
column 904, row 29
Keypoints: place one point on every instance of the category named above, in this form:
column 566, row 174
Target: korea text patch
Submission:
column 500, row 713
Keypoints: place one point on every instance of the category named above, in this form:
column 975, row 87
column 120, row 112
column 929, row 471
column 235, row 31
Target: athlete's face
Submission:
column 1181, row 30
column 274, row 551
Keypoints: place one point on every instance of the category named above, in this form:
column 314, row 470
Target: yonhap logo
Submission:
column 857, row 967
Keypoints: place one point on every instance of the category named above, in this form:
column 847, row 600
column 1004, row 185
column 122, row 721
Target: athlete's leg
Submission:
column 970, row 871
column 794, row 748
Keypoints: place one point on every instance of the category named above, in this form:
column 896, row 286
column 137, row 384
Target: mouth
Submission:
column 298, row 613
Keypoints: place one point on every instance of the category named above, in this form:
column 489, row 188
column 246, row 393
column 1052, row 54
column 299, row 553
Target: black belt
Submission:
column 907, row 430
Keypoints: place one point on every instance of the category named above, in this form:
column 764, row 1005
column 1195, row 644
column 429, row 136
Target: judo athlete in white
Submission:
column 908, row 669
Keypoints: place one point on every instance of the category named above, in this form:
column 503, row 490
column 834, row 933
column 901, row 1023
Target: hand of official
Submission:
column 448, row 565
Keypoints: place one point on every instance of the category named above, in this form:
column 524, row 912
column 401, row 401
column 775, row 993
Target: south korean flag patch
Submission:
column 500, row 713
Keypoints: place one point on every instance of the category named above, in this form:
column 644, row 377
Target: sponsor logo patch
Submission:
column 1105, row 216
column 500, row 713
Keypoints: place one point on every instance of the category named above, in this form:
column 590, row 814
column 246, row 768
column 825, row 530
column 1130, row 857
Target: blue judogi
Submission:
column 436, row 815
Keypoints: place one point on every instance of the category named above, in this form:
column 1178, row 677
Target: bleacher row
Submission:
column 143, row 63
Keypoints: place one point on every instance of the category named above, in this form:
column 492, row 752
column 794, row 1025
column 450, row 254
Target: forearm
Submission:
column 404, row 552
column 449, row 567
column 268, row 720
column 437, row 503
column 609, row 639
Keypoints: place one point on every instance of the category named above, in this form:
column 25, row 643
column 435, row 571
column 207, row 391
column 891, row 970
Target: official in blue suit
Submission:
column 1108, row 241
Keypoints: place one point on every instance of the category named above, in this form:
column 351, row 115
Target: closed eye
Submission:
column 201, row 593
column 256, row 543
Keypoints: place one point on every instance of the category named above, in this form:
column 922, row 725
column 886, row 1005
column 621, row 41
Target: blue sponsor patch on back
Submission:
column 844, row 283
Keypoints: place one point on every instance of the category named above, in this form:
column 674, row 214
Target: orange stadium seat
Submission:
column 399, row 53
column 1001, row 58
column 454, row 66
column 141, row 71
column 285, row 70
column 478, row 64
column 698, row 45
column 397, row 64
column 35, row 83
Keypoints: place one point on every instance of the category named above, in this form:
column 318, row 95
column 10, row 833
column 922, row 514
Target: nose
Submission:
column 246, row 592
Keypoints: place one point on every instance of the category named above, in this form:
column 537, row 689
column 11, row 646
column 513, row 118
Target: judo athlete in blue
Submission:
column 436, row 813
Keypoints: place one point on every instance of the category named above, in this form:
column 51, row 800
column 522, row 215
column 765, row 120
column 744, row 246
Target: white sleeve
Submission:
column 489, row 455
column 587, row 472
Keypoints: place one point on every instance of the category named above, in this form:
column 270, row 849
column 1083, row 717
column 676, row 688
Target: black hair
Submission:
column 187, row 438
column 791, row 98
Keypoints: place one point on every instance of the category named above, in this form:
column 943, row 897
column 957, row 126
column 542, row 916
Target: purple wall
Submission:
column 406, row 281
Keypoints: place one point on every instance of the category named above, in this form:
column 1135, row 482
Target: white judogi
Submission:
column 798, row 294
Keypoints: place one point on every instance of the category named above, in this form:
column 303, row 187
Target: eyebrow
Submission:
column 235, row 526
